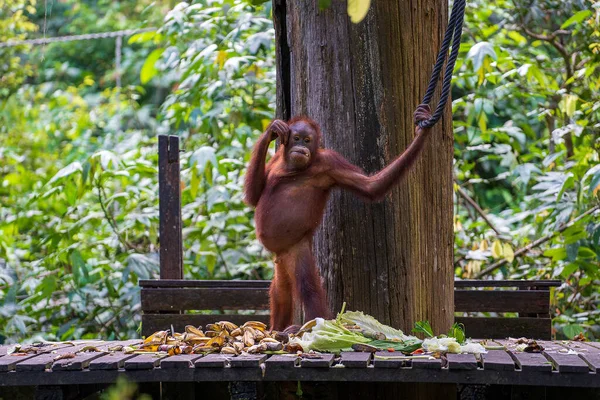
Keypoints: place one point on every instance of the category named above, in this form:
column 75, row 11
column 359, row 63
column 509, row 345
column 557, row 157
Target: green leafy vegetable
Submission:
column 457, row 331
column 369, row 323
column 423, row 327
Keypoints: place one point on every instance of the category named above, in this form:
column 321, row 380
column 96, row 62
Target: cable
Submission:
column 72, row 38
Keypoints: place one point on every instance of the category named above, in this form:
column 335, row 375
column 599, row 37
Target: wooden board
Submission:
column 562, row 361
column 282, row 361
column 44, row 361
column 484, row 327
column 82, row 360
column 523, row 301
column 112, row 361
column 506, row 283
column 461, row 361
column 324, row 362
column 587, row 352
column 265, row 283
column 9, row 362
column 157, row 322
column 531, row 362
column 498, row 360
column 143, row 361
column 169, row 193
column 180, row 361
column 426, row 364
column 386, row 359
column 173, row 299
column 355, row 359
column 249, row 361
column 212, row 361
column 184, row 283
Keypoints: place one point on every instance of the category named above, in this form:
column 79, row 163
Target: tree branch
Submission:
column 537, row 242
column 477, row 208
column 111, row 219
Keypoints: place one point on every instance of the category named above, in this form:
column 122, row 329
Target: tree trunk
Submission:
column 362, row 82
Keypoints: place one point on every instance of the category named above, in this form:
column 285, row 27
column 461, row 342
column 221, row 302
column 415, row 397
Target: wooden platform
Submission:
column 554, row 367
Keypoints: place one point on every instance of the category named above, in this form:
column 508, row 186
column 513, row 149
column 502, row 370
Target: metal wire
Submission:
column 453, row 34
column 72, row 38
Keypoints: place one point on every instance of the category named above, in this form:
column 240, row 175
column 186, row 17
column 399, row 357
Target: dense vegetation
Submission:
column 78, row 178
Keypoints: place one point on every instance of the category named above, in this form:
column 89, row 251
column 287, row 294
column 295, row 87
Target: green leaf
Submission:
column 80, row 273
column 142, row 37
column 479, row 52
column 423, row 327
column 595, row 182
column 357, row 9
column 568, row 270
column 557, row 254
column 404, row 347
column 568, row 184
column 586, row 252
column 457, row 331
column 48, row 286
column 149, row 70
column 570, row 331
column 66, row 171
column 497, row 250
column 578, row 17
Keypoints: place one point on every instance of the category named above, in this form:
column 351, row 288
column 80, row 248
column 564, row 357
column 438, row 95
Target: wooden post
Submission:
column 169, row 197
column 362, row 83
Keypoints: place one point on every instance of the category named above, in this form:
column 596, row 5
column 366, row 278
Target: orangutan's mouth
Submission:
column 301, row 152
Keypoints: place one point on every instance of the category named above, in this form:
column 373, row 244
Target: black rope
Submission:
column 453, row 34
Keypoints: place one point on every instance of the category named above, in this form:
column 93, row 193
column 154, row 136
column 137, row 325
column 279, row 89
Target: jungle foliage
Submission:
column 78, row 155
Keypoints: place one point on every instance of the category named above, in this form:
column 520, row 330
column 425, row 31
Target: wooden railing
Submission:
column 166, row 301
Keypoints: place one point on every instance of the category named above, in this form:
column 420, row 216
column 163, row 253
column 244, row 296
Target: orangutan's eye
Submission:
column 297, row 138
column 307, row 140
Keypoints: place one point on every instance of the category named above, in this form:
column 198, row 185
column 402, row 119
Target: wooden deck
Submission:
column 553, row 367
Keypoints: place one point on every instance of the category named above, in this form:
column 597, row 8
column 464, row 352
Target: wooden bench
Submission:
column 166, row 301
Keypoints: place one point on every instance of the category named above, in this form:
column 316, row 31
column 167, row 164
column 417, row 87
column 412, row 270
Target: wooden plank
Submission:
column 506, row 283
column 355, row 359
column 461, row 361
column 182, row 283
column 173, row 299
column 532, row 362
column 530, row 301
column 3, row 350
column 586, row 351
column 8, row 363
column 324, row 362
column 212, row 361
column 156, row 322
column 180, row 361
column 169, row 188
column 498, row 360
column 488, row 327
column 386, row 359
column 536, row 362
column 143, row 362
column 44, row 361
column 82, row 360
column 426, row 364
column 266, row 283
column 249, row 361
column 568, row 363
column 282, row 361
column 562, row 361
column 111, row 361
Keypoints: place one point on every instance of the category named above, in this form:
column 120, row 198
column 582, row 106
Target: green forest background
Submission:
column 78, row 153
